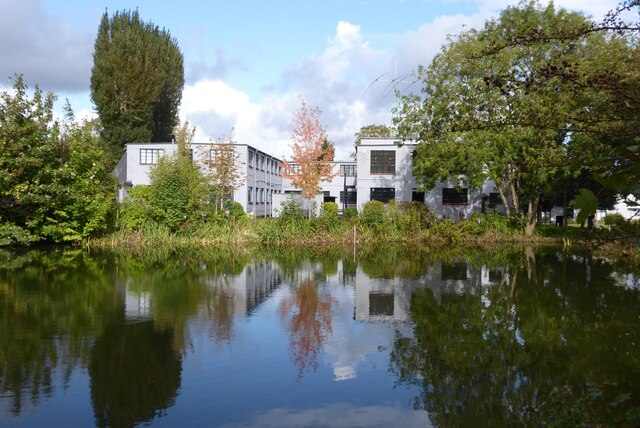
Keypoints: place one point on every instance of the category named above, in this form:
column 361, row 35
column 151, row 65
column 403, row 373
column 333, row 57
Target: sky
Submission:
column 247, row 62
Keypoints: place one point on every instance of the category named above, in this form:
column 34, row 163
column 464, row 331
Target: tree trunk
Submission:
column 531, row 216
column 505, row 203
column 565, row 211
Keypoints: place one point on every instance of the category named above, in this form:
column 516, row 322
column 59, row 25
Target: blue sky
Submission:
column 246, row 61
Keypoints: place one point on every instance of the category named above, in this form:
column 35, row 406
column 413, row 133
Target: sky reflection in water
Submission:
column 316, row 338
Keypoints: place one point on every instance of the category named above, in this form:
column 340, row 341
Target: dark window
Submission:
column 150, row 156
column 250, row 158
column 191, row 155
column 250, row 195
column 352, row 198
column 454, row 271
column 348, row 170
column 294, row 168
column 382, row 194
column 494, row 199
column 455, row 196
column 417, row 196
column 381, row 304
column 383, row 162
column 495, row 276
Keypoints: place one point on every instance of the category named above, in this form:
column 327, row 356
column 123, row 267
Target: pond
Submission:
column 282, row 337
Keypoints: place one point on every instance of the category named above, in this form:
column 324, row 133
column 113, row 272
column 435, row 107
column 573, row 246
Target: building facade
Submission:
column 382, row 171
column 260, row 173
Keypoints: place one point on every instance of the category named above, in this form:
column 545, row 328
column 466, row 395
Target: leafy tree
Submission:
column 29, row 158
column 311, row 152
column 222, row 171
column 177, row 191
column 506, row 114
column 136, row 80
column 369, row 131
column 89, row 203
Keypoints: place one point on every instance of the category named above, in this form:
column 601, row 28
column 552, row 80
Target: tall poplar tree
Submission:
column 136, row 80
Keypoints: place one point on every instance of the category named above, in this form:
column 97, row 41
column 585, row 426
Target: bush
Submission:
column 350, row 213
column 10, row 234
column 177, row 192
column 233, row 209
column 135, row 211
column 373, row 214
column 330, row 212
column 291, row 210
column 614, row 220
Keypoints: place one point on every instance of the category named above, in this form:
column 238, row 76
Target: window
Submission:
column 351, row 198
column 381, row 304
column 455, row 196
column 250, row 158
column 348, row 170
column 494, row 199
column 250, row 194
column 417, row 196
column 191, row 155
column 294, row 168
column 382, row 194
column 150, row 156
column 383, row 162
column 456, row 271
column 262, row 162
column 216, row 153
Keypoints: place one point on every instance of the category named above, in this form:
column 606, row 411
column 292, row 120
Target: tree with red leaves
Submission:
column 312, row 157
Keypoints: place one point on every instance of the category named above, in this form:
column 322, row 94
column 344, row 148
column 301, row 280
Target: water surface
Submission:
column 277, row 337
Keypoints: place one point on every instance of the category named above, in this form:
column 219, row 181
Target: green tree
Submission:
column 136, row 80
column 506, row 114
column 30, row 157
column 373, row 130
column 177, row 191
column 222, row 171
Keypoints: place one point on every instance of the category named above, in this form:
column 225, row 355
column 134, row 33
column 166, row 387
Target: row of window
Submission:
column 152, row 156
column 260, row 196
column 450, row 196
column 264, row 162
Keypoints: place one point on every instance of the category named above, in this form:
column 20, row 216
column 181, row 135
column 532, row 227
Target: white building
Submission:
column 341, row 188
column 260, row 172
column 382, row 171
column 385, row 172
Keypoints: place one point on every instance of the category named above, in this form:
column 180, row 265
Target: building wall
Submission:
column 402, row 181
column 333, row 186
column 260, row 173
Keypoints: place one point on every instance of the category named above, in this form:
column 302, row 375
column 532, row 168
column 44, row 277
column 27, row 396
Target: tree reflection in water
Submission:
column 309, row 314
column 546, row 346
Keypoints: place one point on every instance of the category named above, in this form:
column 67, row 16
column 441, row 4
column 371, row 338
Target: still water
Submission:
column 289, row 338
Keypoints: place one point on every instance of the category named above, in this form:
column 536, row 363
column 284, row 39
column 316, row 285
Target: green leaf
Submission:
column 587, row 203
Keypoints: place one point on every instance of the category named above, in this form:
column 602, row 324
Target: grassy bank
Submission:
column 483, row 231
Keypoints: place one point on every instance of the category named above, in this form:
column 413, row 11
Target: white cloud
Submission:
column 42, row 47
column 350, row 81
column 340, row 415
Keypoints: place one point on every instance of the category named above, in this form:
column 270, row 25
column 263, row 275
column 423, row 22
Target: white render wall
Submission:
column 261, row 175
column 402, row 181
column 334, row 186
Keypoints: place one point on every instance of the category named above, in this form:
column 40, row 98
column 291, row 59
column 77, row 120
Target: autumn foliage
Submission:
column 309, row 325
column 312, row 157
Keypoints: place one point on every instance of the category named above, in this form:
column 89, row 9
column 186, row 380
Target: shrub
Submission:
column 177, row 192
column 373, row 214
column 330, row 212
column 350, row 213
column 135, row 211
column 233, row 209
column 614, row 220
column 291, row 210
